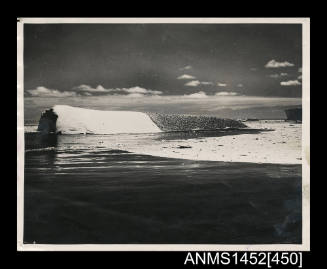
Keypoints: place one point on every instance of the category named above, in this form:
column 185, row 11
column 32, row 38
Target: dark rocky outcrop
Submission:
column 294, row 114
column 47, row 122
column 174, row 122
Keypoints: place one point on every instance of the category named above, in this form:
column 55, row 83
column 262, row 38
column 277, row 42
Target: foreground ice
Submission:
column 282, row 145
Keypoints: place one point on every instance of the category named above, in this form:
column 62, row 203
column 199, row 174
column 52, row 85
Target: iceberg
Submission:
column 64, row 119
column 75, row 120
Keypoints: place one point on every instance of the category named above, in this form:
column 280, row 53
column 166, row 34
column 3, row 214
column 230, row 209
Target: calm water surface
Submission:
column 77, row 190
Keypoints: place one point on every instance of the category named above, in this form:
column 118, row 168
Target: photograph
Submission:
column 163, row 133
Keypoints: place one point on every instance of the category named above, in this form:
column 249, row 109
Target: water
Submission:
column 90, row 189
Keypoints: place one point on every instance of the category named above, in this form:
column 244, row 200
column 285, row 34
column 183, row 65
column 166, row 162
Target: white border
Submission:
column 20, row 136
column 305, row 246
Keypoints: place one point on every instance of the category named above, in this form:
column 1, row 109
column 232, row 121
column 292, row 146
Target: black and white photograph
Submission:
column 170, row 134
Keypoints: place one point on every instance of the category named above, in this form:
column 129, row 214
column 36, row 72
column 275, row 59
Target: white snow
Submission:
column 74, row 120
column 283, row 146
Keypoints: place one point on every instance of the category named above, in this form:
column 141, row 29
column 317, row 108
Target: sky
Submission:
column 196, row 61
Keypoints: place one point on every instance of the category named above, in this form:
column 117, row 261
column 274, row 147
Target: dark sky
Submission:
column 64, row 56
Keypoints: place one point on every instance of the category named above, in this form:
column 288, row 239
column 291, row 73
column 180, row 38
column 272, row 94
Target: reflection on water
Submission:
column 38, row 140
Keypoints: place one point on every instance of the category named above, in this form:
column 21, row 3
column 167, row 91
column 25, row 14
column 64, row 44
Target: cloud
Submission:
column 186, row 77
column 193, row 83
column 240, row 85
column 87, row 90
column 221, row 84
column 139, row 90
column 283, row 74
column 275, row 64
column 206, row 83
column 45, row 92
column 300, row 70
column 299, row 77
column 199, row 95
column 290, row 83
column 226, row 93
column 186, row 67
